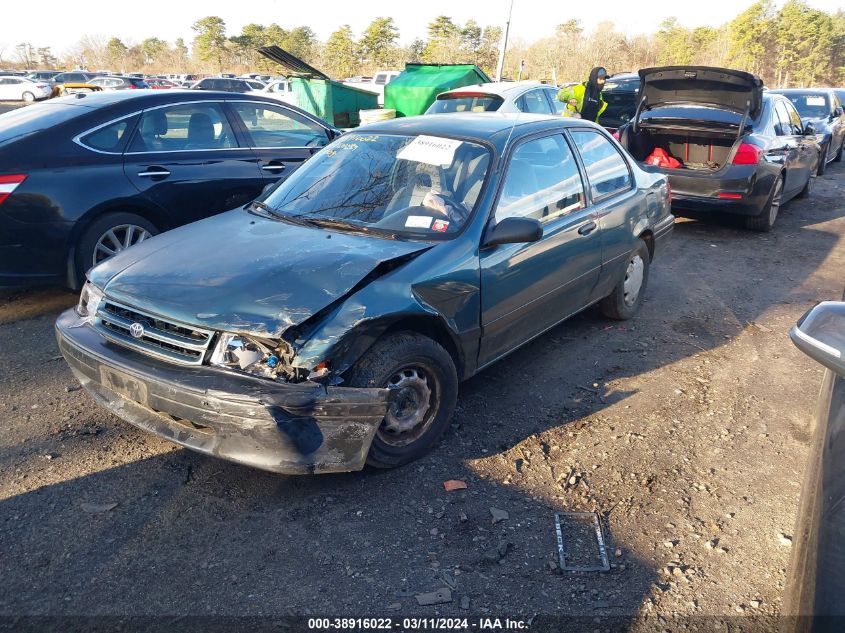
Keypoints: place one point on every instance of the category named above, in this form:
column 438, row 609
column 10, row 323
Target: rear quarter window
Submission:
column 110, row 138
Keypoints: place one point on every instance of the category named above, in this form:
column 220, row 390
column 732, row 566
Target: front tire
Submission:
column 107, row 236
column 627, row 297
column 426, row 384
column 808, row 187
column 765, row 220
column 823, row 159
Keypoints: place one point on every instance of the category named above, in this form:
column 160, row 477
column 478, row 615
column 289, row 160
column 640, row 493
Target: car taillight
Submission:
column 131, row 87
column 747, row 154
column 615, row 134
column 8, row 184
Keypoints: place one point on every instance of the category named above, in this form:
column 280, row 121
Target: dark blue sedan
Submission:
column 86, row 176
column 328, row 324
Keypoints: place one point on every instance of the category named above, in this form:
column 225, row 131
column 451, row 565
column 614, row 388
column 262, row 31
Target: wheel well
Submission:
column 433, row 329
column 95, row 214
column 648, row 237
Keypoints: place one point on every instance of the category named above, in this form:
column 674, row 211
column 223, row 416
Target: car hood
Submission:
column 819, row 122
column 245, row 273
column 724, row 88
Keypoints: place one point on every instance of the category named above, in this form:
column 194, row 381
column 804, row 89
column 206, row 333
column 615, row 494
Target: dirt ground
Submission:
column 686, row 429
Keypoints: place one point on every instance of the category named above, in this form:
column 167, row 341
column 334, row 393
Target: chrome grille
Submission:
column 171, row 341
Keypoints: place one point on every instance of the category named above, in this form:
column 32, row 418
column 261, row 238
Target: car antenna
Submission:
column 516, row 119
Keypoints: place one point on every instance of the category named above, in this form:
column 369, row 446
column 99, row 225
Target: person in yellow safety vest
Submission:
column 584, row 100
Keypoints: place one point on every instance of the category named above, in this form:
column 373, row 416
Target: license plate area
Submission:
column 124, row 385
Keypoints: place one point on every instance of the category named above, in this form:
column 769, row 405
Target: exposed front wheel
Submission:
column 109, row 235
column 808, row 187
column 627, row 297
column 425, row 384
column 765, row 220
column 825, row 154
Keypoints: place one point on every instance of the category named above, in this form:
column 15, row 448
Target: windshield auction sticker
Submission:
column 418, row 222
column 430, row 150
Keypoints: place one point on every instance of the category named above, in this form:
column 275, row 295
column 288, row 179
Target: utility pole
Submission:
column 504, row 47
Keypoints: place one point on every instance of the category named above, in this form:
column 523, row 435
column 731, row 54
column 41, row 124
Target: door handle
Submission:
column 586, row 229
column 274, row 168
column 153, row 172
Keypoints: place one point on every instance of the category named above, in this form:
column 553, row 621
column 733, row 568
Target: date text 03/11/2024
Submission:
column 416, row 624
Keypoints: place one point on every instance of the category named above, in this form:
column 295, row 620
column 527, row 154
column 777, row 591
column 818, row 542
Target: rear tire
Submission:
column 28, row 97
column 808, row 187
column 627, row 297
column 424, row 376
column 765, row 220
column 92, row 247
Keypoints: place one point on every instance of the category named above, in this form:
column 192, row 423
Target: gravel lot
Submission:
column 686, row 429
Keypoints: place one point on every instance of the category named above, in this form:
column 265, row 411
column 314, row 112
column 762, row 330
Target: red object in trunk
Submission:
column 660, row 158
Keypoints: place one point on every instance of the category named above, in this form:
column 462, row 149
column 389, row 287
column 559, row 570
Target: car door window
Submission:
column 542, row 181
column 607, row 170
column 195, row 126
column 275, row 126
column 795, row 119
column 557, row 106
column 535, row 102
column 783, row 126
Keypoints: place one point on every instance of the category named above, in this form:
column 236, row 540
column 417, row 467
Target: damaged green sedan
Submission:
column 327, row 325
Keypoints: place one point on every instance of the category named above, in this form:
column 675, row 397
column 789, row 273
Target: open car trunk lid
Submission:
column 723, row 88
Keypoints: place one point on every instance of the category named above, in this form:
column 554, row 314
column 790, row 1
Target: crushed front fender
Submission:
column 294, row 428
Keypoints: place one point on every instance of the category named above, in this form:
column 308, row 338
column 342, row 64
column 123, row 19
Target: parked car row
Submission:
column 426, row 248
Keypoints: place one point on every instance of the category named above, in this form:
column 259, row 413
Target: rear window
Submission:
column 23, row 121
column 463, row 102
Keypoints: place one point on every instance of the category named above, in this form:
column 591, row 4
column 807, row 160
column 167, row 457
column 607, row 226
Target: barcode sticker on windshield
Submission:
column 815, row 101
column 418, row 221
column 430, row 150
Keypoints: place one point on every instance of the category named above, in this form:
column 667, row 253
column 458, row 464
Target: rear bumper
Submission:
column 699, row 191
column 289, row 428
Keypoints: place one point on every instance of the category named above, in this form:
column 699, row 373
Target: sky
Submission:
column 60, row 24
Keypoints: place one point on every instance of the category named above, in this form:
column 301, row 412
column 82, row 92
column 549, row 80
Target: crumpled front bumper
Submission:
column 289, row 428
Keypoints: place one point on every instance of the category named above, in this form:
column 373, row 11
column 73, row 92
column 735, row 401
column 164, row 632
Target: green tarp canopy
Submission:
column 415, row 89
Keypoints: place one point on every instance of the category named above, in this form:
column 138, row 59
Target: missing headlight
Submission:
column 89, row 302
column 268, row 359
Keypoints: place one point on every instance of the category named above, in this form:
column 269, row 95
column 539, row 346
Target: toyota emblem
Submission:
column 136, row 330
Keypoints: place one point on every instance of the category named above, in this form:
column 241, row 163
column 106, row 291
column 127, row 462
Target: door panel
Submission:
column 186, row 159
column 528, row 288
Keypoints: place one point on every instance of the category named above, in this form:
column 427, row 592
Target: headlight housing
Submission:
column 259, row 357
column 89, row 301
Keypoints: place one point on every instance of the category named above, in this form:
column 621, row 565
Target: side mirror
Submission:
column 514, row 231
column 821, row 335
column 810, row 130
